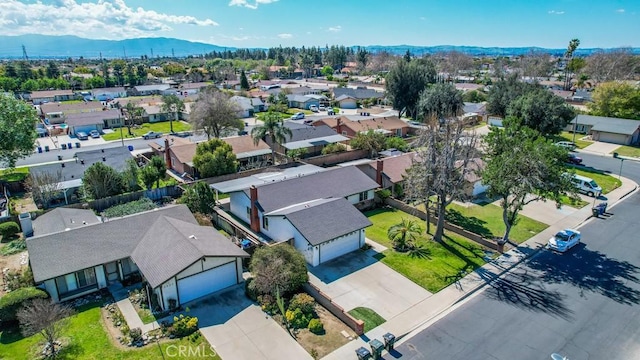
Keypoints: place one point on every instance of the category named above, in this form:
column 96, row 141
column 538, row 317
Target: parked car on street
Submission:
column 567, row 145
column 81, row 135
column 322, row 108
column 586, row 185
column 298, row 116
column 564, row 240
column 94, row 134
column 151, row 135
column 574, row 159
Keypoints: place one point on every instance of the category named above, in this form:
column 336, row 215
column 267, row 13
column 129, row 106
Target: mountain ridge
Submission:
column 49, row 47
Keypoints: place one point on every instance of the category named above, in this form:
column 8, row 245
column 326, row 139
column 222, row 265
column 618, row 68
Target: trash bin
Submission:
column 130, row 147
column 69, row 146
column 39, row 149
column 77, row 145
column 376, row 348
column 63, row 146
column 389, row 341
column 46, row 148
column 363, row 354
column 59, row 157
column 602, row 207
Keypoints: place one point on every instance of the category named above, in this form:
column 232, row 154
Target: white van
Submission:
column 586, row 185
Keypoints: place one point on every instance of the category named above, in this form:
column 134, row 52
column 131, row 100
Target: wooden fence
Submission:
column 335, row 309
column 100, row 205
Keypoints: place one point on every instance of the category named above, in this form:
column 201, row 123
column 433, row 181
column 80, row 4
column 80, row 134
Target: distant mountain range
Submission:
column 48, row 47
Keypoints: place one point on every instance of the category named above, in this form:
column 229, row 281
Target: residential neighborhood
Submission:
column 294, row 201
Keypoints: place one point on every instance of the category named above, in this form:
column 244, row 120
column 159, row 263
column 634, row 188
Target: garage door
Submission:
column 206, row 282
column 333, row 249
column 613, row 138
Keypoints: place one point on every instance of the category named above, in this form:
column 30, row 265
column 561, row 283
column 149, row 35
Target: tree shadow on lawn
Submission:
column 469, row 223
column 525, row 291
column 592, row 271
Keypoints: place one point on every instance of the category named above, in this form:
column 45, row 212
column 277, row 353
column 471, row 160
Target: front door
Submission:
column 112, row 272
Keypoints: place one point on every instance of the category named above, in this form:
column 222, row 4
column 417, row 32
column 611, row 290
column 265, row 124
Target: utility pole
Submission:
column 152, row 53
column 124, row 51
column 25, row 57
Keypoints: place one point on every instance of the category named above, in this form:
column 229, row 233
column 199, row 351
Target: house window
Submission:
column 265, row 222
column 344, row 133
column 364, row 195
column 76, row 282
column 86, row 277
column 248, row 212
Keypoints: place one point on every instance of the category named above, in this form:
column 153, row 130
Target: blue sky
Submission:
column 266, row 23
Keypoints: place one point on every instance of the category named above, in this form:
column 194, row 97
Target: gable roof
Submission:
column 157, row 87
column 312, row 219
column 305, row 132
column 49, row 93
column 91, row 118
column 109, row 90
column 608, row 124
column 345, row 97
column 358, row 93
column 391, row 123
column 478, row 108
column 71, row 107
column 60, row 219
column 244, row 147
column 300, row 98
column 158, row 234
column 243, row 102
column 395, row 167
column 333, row 183
column 266, row 177
column 170, row 245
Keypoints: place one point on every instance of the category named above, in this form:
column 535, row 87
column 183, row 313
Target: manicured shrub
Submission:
column 304, row 302
column 268, row 304
column 9, row 229
column 249, row 291
column 316, row 327
column 297, row 319
column 13, row 301
column 183, row 326
column 16, row 279
column 135, row 334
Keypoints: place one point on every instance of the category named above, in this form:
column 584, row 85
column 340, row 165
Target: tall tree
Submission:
column 199, row 198
column 45, row 185
column 244, row 83
column 161, row 168
column 44, row 317
column 521, row 167
column 215, row 157
column 619, row 64
column 52, row 70
column 134, row 115
column 445, row 153
column 542, row 110
column 130, row 175
column 372, row 141
column 362, row 58
column 568, row 56
column 215, row 113
column 504, row 92
column 277, row 268
column 17, row 130
column 173, row 105
column 273, row 128
column 405, row 81
column 616, row 99
column 101, row 181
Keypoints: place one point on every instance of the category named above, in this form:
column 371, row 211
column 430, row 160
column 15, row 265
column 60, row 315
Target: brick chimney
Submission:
column 254, row 218
column 339, row 126
column 379, row 169
column 167, row 153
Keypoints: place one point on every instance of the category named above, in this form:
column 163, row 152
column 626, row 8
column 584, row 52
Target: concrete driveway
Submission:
column 239, row 329
column 358, row 279
column 601, row 148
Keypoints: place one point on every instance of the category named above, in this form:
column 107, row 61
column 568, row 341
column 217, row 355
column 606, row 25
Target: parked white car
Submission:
column 298, row 116
column 564, row 240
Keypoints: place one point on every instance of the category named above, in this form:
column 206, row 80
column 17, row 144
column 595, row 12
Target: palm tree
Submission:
column 173, row 105
column 272, row 127
column 404, row 234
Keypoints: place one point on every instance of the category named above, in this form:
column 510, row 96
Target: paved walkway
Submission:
column 121, row 296
column 428, row 311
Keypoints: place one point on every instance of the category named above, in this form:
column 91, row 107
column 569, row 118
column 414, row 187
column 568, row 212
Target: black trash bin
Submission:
column 603, row 207
column 59, row 157
column 363, row 354
column 376, row 348
column 595, row 211
column 63, row 146
column 77, row 145
column 389, row 341
column 46, row 148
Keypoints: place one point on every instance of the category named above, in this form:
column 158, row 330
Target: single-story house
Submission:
column 179, row 259
column 302, row 101
column 245, row 106
column 317, row 213
column 39, row 97
column 303, row 90
column 347, row 102
column 104, row 94
column 312, row 138
column 192, row 88
column 478, row 110
column 359, row 93
column 389, row 172
column 146, row 90
column 58, row 110
column 258, row 105
column 154, row 113
column 350, row 126
column 96, row 120
column 607, row 129
column 566, row 95
column 63, row 219
column 468, row 87
column 473, row 186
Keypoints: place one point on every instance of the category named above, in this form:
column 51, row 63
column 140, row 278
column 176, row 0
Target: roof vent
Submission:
column 102, row 150
column 193, row 237
column 62, row 164
column 104, row 158
column 82, row 161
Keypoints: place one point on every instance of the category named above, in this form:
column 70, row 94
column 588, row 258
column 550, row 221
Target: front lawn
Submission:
column 371, row 318
column 13, row 175
column 88, row 339
column 435, row 265
column 630, row 151
column 607, row 182
column 162, row 127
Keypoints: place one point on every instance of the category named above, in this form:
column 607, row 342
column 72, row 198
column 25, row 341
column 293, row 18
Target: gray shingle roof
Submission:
column 357, row 93
column 59, row 219
column 327, row 220
column 171, row 245
column 306, row 132
column 608, row 124
column 154, row 235
column 91, row 118
column 334, row 183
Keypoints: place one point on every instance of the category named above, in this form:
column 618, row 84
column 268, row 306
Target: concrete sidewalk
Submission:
column 430, row 310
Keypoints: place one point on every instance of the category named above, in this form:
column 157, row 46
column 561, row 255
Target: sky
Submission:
column 268, row 23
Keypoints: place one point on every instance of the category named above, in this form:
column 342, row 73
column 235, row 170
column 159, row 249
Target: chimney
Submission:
column 167, row 153
column 379, row 167
column 255, row 219
column 82, row 161
column 339, row 126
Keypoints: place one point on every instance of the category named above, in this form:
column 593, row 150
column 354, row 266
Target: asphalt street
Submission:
column 582, row 304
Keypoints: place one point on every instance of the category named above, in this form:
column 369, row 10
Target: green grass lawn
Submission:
column 12, row 175
column 575, row 203
column 436, row 265
column 371, row 318
column 630, row 151
column 162, row 127
column 89, row 340
column 568, row 136
column 606, row 182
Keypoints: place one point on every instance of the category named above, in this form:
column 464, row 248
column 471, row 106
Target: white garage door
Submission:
column 613, row 138
column 333, row 249
column 206, row 282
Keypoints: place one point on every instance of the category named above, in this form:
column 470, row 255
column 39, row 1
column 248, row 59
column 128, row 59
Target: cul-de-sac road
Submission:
column 584, row 304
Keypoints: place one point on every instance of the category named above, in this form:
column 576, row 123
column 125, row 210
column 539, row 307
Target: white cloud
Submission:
column 102, row 19
column 620, row 11
column 422, row 18
column 337, row 28
column 247, row 4
column 285, row 36
column 555, row 12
